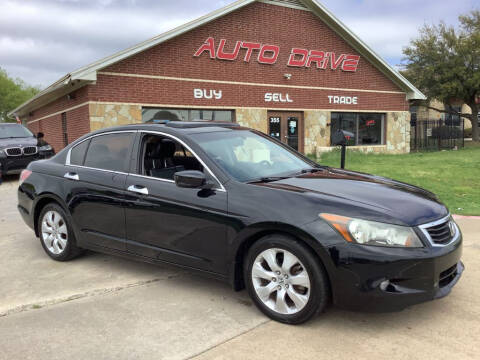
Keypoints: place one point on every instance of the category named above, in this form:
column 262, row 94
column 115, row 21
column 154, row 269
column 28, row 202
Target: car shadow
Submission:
column 332, row 316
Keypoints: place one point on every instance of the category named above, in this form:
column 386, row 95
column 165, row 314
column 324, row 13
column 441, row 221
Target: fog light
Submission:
column 384, row 285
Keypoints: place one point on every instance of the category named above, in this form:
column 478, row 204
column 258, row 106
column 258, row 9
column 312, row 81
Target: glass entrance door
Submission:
column 292, row 132
column 287, row 127
column 274, row 127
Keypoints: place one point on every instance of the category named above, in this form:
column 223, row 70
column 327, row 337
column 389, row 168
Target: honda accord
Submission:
column 240, row 206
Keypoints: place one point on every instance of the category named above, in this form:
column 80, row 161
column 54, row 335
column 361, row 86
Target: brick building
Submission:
column 286, row 67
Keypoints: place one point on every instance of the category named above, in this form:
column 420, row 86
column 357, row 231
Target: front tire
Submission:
column 56, row 235
column 285, row 279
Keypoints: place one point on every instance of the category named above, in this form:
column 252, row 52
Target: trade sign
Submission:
column 347, row 100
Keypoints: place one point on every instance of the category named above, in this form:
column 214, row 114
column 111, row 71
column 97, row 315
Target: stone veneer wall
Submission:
column 398, row 132
column 253, row 118
column 317, row 133
column 317, row 126
column 108, row 115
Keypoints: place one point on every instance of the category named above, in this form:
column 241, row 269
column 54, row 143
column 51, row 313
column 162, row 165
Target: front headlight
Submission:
column 373, row 233
column 45, row 148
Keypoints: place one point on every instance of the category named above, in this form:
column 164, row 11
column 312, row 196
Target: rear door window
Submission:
column 77, row 155
column 110, row 152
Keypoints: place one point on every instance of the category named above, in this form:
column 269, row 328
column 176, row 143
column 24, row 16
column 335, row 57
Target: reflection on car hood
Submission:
column 18, row 142
column 407, row 203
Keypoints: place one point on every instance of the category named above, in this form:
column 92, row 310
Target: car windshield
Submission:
column 14, row 131
column 248, row 156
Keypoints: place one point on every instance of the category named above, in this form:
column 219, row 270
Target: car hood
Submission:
column 18, row 142
column 370, row 197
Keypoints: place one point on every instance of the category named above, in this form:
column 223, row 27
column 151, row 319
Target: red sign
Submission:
column 268, row 54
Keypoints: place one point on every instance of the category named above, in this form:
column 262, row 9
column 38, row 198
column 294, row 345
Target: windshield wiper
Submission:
column 309, row 171
column 268, row 179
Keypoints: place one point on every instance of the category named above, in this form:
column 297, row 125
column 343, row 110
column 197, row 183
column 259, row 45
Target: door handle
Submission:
column 138, row 189
column 71, row 176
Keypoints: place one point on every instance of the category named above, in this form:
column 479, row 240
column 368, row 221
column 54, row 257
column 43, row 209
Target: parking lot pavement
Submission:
column 101, row 307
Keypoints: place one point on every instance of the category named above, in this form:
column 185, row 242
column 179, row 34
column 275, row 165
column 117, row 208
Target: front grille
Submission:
column 440, row 234
column 14, row 151
column 30, row 150
column 447, row 276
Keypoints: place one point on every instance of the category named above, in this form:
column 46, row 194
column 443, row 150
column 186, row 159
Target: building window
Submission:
column 368, row 129
column 152, row 114
column 64, row 129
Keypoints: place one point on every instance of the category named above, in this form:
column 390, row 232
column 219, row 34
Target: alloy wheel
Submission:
column 54, row 232
column 281, row 281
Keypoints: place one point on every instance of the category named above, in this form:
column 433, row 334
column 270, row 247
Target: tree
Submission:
column 444, row 63
column 13, row 92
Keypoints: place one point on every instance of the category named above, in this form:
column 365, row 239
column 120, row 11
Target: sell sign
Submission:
column 278, row 98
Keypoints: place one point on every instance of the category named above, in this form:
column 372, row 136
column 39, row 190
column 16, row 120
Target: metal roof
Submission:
column 88, row 74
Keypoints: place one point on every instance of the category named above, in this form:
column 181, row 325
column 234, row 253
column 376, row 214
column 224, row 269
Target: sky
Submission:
column 42, row 40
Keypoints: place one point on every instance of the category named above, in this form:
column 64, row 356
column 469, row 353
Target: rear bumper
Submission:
column 26, row 205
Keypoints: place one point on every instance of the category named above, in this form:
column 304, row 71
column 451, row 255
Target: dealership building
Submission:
column 288, row 68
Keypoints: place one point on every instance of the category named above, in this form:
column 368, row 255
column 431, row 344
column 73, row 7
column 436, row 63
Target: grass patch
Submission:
column 453, row 175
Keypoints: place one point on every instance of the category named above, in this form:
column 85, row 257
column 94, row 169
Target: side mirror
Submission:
column 340, row 137
column 190, row 179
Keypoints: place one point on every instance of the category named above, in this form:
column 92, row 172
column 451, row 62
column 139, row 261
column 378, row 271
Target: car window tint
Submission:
column 77, row 155
column 163, row 157
column 110, row 152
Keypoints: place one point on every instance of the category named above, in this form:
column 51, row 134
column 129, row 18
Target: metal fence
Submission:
column 436, row 134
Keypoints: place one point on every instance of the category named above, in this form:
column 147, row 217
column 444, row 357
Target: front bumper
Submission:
column 15, row 165
column 45, row 154
column 385, row 282
column 383, row 279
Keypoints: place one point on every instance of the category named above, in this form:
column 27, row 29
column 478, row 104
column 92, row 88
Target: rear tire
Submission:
column 285, row 279
column 56, row 235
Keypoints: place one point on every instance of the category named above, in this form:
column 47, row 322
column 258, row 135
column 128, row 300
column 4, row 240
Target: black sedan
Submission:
column 239, row 206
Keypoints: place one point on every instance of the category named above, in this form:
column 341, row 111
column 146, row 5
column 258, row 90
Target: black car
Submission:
column 240, row 206
column 18, row 147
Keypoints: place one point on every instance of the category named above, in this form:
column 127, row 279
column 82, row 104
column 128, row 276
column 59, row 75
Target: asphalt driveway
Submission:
column 102, row 307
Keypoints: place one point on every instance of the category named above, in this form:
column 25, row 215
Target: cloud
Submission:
column 42, row 40
column 389, row 26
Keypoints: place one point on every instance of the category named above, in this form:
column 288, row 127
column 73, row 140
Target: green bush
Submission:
column 468, row 133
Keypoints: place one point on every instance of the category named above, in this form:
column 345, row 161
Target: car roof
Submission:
column 180, row 127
